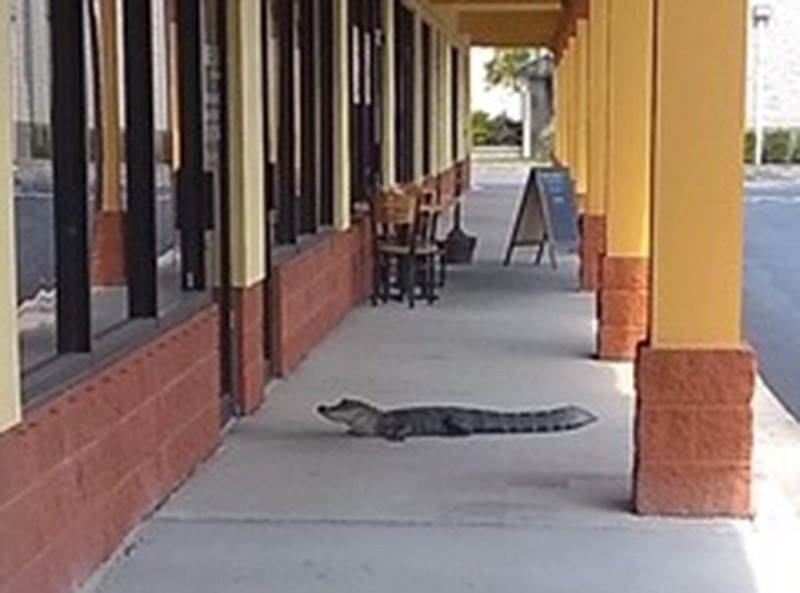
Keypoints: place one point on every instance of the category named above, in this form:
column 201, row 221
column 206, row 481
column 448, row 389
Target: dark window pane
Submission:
column 33, row 182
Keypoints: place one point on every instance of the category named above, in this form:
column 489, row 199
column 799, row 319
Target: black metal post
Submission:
column 191, row 184
column 287, row 210
column 141, row 183
column 73, row 309
column 327, row 55
column 309, row 204
column 460, row 246
column 426, row 99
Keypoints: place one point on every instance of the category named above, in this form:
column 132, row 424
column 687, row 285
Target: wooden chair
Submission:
column 402, row 253
column 434, row 208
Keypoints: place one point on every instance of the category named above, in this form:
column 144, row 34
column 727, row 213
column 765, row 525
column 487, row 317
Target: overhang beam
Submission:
column 509, row 28
column 500, row 5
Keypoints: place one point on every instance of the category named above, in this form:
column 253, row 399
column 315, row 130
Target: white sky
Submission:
column 494, row 101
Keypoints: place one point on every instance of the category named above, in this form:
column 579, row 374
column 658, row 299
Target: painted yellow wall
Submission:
column 598, row 107
column 10, row 400
column 245, row 119
column 389, row 103
column 630, row 128
column 698, row 173
column 341, row 106
column 582, row 107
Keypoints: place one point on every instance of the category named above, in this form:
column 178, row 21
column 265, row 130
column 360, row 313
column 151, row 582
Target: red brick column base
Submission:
column 694, row 432
column 108, row 254
column 622, row 306
column 593, row 245
column 251, row 366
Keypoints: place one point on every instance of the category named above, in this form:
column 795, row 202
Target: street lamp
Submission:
column 761, row 15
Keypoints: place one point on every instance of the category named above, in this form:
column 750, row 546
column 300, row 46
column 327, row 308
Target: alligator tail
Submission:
column 556, row 420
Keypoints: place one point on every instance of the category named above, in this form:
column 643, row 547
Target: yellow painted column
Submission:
column 389, row 130
column 246, row 191
column 10, row 391
column 436, row 100
column 466, row 109
column 624, row 300
column 456, row 112
column 108, row 248
column 433, row 137
column 593, row 223
column 246, row 132
column 447, row 118
column 598, row 107
column 444, row 107
column 173, row 82
column 341, row 206
column 111, row 105
column 582, row 110
column 698, row 176
column 695, row 378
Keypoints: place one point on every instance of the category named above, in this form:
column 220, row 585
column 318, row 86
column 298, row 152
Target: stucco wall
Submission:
column 781, row 65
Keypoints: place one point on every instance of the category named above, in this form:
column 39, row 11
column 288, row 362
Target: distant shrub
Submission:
column 777, row 146
column 750, row 147
column 796, row 149
column 481, row 128
column 499, row 130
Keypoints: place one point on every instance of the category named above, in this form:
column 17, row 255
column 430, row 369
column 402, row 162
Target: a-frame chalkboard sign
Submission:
column 547, row 217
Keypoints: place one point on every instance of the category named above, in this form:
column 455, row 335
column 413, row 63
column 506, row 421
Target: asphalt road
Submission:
column 772, row 283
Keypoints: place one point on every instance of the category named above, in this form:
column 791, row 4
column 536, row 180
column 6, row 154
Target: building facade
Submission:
column 776, row 55
column 149, row 295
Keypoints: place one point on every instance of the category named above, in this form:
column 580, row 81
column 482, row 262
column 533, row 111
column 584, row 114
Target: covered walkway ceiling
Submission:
column 509, row 23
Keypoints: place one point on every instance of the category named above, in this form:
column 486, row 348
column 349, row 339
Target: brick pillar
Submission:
column 696, row 377
column 622, row 306
column 108, row 253
column 694, row 432
column 251, row 367
column 593, row 245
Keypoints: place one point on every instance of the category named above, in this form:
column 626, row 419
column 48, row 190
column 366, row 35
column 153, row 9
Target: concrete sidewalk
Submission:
column 291, row 505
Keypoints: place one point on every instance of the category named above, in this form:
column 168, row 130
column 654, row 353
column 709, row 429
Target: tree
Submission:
column 506, row 66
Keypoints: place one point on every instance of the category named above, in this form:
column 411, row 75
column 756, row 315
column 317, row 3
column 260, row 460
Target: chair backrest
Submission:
column 396, row 207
